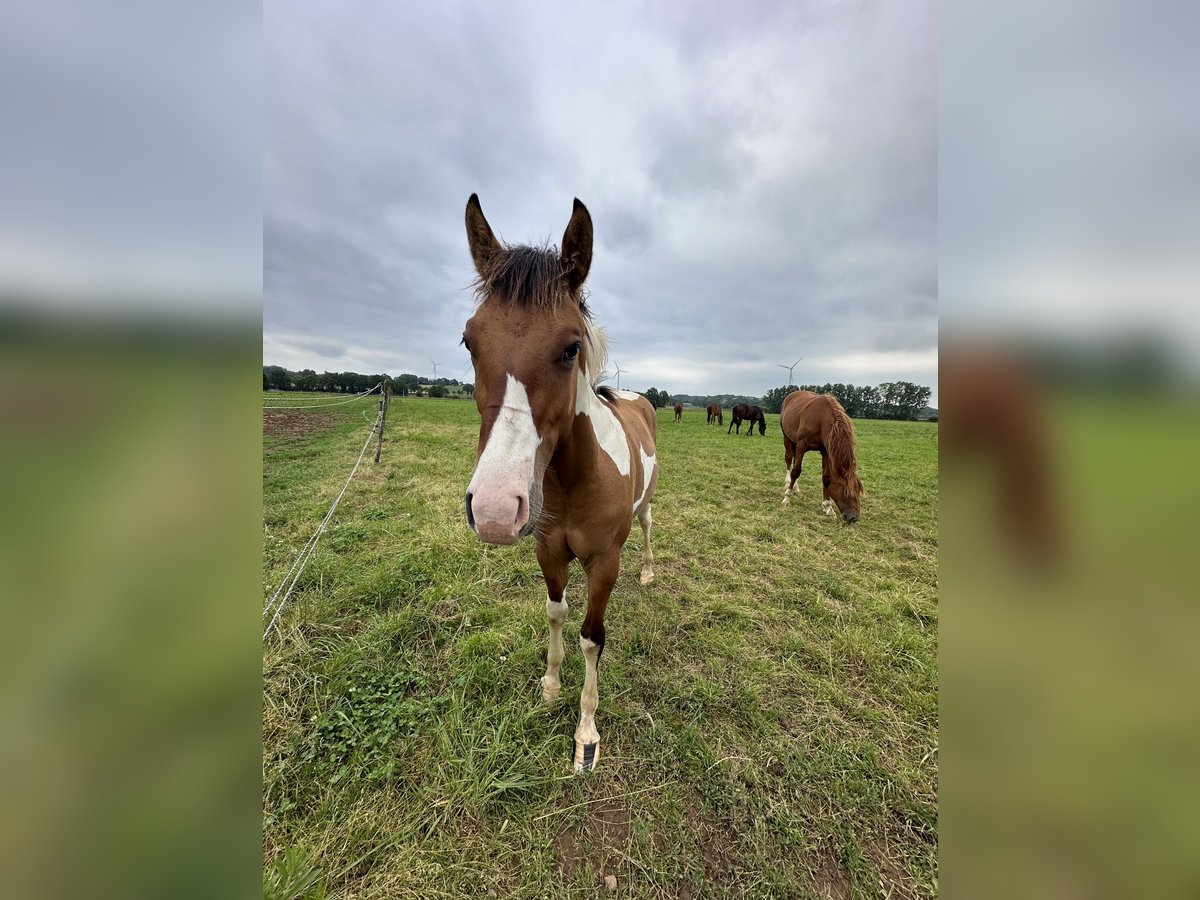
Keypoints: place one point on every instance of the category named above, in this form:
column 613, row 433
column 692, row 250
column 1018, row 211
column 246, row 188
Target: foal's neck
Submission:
column 595, row 433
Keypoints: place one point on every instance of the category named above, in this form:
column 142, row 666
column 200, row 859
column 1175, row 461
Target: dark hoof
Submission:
column 586, row 757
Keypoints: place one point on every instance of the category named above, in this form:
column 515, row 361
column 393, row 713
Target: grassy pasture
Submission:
column 768, row 706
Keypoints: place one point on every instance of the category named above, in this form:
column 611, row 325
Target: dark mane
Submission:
column 529, row 276
column 606, row 392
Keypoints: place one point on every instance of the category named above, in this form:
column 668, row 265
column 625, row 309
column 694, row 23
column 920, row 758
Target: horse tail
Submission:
column 839, row 441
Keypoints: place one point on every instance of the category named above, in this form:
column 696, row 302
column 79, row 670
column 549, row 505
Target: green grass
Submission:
column 768, row 706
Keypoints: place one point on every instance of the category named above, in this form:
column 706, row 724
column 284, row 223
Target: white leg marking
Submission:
column 586, row 734
column 647, row 555
column 827, row 507
column 556, row 615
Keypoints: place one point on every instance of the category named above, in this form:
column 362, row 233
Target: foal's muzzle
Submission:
column 850, row 517
column 497, row 516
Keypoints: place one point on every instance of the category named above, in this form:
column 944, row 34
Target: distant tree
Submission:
column 438, row 390
column 657, row 397
column 276, row 378
column 902, row 399
column 772, row 400
column 468, row 390
column 914, row 399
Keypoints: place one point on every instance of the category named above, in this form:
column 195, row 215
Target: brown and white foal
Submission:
column 559, row 457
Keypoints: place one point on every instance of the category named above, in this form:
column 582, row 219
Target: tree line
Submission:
column 890, row 400
column 663, row 398
column 277, row 378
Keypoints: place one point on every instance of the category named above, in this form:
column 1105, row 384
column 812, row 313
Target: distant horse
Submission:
column 678, row 412
column 715, row 414
column 817, row 422
column 995, row 413
column 744, row 413
column 559, row 456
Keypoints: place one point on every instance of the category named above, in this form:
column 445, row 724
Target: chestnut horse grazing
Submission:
column 744, row 413
column 678, row 412
column 559, row 457
column 714, row 414
column 818, row 422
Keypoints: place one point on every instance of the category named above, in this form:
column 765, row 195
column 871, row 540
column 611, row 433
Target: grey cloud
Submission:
column 763, row 182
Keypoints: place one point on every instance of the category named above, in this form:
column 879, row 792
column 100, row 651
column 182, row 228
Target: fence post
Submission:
column 383, row 408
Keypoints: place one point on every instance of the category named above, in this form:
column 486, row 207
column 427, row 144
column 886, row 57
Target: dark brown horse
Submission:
column 715, row 414
column 678, row 412
column 746, row 413
column 559, row 456
column 817, row 422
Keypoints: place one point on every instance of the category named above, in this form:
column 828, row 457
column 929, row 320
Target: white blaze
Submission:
column 512, row 445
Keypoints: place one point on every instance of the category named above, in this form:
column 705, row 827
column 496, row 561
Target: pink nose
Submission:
column 497, row 516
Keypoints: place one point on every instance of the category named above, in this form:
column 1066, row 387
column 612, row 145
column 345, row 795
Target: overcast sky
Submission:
column 762, row 178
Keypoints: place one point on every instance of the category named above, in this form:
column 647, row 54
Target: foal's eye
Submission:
column 570, row 353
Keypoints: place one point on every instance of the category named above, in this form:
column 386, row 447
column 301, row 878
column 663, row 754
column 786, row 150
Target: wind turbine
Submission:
column 619, row 371
column 435, row 365
column 789, row 368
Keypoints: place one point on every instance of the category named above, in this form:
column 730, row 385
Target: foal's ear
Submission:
column 577, row 246
column 482, row 242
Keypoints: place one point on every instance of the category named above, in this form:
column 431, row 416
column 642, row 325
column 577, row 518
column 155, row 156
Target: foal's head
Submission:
column 530, row 341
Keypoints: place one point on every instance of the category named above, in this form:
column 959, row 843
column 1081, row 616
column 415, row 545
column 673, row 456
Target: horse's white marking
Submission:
column 648, row 465
column 647, row 575
column 609, row 433
column 512, row 445
column 827, row 507
column 586, row 733
column 627, row 395
column 556, row 615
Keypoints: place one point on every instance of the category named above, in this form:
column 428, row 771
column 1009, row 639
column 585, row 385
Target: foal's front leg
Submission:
column 827, row 504
column 647, row 575
column 602, row 574
column 555, row 573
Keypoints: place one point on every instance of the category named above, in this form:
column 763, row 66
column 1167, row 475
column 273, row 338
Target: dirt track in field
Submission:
column 291, row 425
